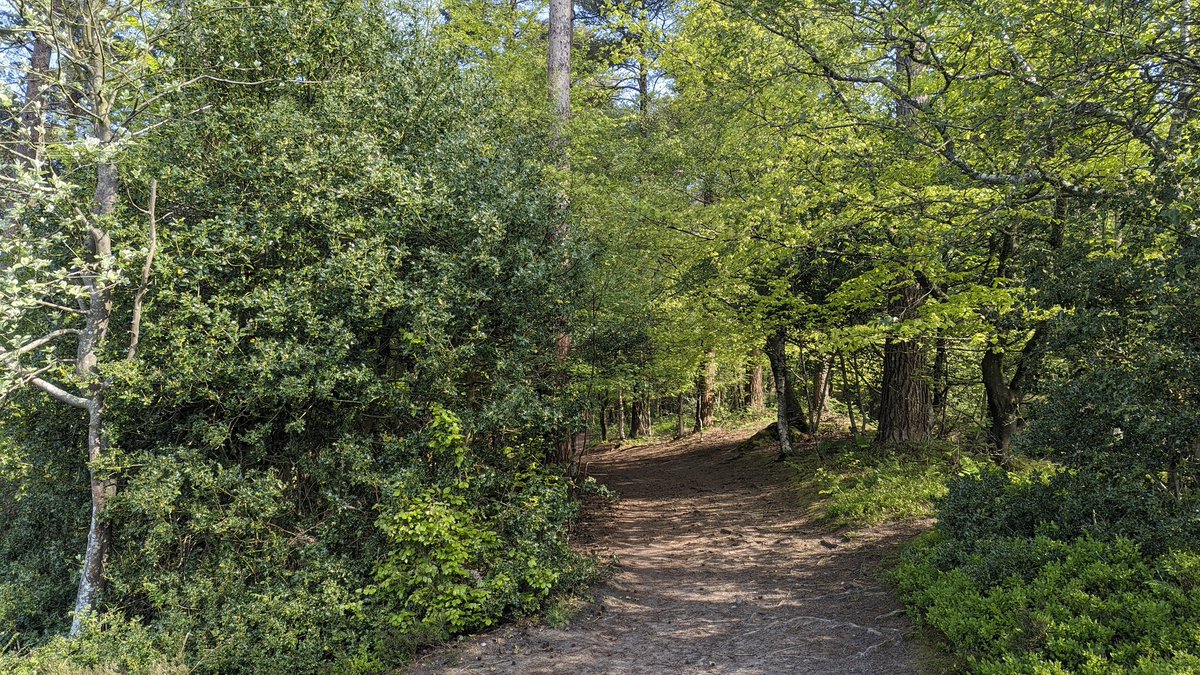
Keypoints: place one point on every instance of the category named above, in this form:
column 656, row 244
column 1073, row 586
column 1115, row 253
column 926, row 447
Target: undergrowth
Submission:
column 1059, row 572
column 856, row 486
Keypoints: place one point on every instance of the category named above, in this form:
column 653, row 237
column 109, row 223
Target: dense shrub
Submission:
column 330, row 449
column 1066, row 505
column 1064, row 572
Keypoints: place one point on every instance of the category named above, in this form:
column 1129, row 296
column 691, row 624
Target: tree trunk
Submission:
column 755, row 398
column 779, row 368
column 706, row 383
column 99, row 533
column 680, row 428
column 29, row 150
column 777, row 353
column 604, row 422
column 635, row 418
column 620, row 415
column 820, row 392
column 849, row 398
column 99, row 313
column 1004, row 399
column 643, row 81
column 796, row 414
column 562, row 19
column 558, row 67
column 647, row 419
column 941, row 384
column 904, row 408
column 858, row 393
column 1001, row 403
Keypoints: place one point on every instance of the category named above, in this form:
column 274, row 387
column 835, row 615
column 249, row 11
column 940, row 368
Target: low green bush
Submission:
column 1065, row 505
column 1059, row 573
column 111, row 643
column 466, row 551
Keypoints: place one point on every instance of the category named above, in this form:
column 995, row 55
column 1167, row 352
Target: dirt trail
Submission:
column 719, row 571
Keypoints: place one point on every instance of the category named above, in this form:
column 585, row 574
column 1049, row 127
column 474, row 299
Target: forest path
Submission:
column 720, row 570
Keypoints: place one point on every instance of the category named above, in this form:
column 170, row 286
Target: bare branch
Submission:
column 59, row 394
column 10, row 357
column 135, row 329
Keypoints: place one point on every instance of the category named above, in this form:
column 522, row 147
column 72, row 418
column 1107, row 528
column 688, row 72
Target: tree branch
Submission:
column 59, row 394
column 10, row 357
column 135, row 328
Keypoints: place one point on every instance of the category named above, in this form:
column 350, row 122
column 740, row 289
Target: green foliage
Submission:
column 1042, row 605
column 866, row 486
column 329, row 451
column 1059, row 572
column 109, row 645
column 1066, row 505
column 41, row 492
column 452, row 566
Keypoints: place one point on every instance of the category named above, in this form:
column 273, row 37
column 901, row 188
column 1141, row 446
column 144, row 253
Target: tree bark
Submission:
column 680, row 428
column 779, row 368
column 755, row 398
column 706, row 383
column 849, row 398
column 558, row 66
column 604, row 421
column 621, row 415
column 777, row 353
column 635, row 418
column 820, row 393
column 562, row 19
column 99, row 312
column 33, row 111
column 30, row 149
column 941, row 384
column 1001, row 403
column 647, row 419
column 904, row 409
column 1004, row 397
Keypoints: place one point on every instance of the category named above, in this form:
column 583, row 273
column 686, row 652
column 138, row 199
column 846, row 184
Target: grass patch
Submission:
column 855, row 486
column 563, row 608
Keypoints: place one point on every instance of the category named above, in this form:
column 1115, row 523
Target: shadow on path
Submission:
column 719, row 570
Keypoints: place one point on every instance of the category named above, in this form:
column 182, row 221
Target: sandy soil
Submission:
column 719, row 570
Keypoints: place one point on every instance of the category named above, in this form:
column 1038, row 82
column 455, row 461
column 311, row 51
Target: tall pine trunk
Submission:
column 30, row 150
column 558, row 62
column 31, row 147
